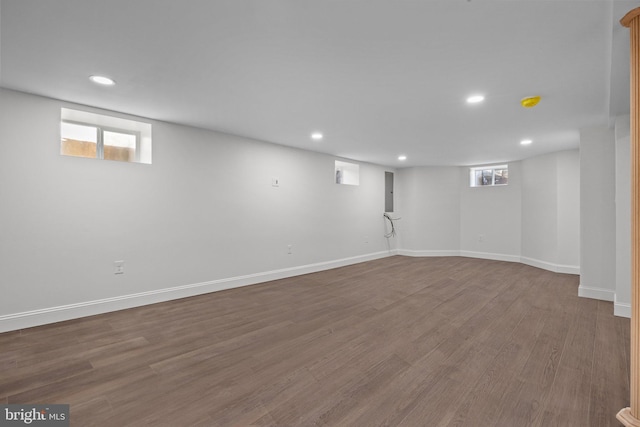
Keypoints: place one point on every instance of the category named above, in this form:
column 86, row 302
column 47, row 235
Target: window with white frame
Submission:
column 486, row 176
column 96, row 136
column 347, row 173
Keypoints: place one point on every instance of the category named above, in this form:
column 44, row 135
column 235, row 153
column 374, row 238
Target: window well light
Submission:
column 316, row 136
column 526, row 142
column 475, row 99
column 102, row 80
column 402, row 158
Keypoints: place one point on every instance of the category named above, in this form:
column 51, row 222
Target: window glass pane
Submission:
column 104, row 137
column 78, row 140
column 347, row 173
column 119, row 146
column 487, row 175
column 502, row 176
column 478, row 180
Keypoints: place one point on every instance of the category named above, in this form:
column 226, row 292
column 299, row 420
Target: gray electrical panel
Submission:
column 388, row 191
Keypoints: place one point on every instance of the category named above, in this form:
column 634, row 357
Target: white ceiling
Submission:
column 378, row 77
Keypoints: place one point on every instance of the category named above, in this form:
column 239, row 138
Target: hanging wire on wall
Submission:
column 392, row 233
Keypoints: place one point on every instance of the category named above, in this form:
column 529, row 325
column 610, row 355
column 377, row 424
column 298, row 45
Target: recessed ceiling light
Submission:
column 474, row 99
column 402, row 158
column 316, row 136
column 526, row 142
column 102, row 80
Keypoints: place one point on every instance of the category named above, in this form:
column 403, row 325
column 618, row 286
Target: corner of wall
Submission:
column 596, row 293
column 622, row 309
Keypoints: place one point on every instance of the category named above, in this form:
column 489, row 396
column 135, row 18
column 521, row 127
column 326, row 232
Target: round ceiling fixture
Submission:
column 475, row 99
column 102, row 80
column 530, row 101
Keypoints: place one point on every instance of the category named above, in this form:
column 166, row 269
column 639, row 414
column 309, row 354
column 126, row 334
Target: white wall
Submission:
column 622, row 305
column 535, row 219
column 597, row 213
column 490, row 217
column 204, row 216
column 551, row 211
column 568, row 173
column 428, row 201
column 540, row 209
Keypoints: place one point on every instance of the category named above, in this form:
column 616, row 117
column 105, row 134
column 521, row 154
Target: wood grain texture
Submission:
column 631, row 416
column 396, row 342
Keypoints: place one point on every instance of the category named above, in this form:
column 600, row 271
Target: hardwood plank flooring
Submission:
column 399, row 341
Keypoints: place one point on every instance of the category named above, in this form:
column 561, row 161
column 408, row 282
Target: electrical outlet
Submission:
column 118, row 267
column 289, row 249
column 275, row 182
column 480, row 238
column 366, row 239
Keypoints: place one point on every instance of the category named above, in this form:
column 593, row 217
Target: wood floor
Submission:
column 394, row 342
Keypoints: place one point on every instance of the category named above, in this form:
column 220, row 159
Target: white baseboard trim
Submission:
column 428, row 253
column 569, row 269
column 492, row 256
column 16, row 321
column 556, row 268
column 596, row 293
column 622, row 309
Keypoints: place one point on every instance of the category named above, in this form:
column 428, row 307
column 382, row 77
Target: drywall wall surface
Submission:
column 205, row 212
column 535, row 219
column 429, row 204
column 568, row 173
column 597, row 212
column 540, row 208
column 623, row 216
column 490, row 217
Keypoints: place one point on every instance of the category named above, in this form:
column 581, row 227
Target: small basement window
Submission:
column 347, row 173
column 96, row 136
column 489, row 176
